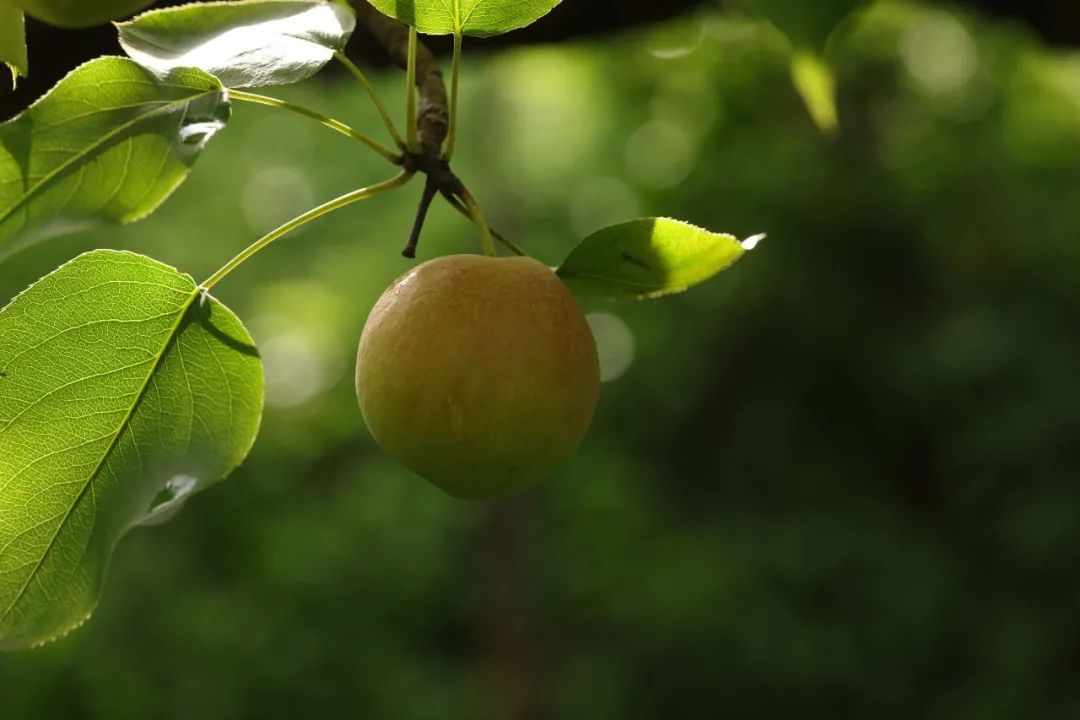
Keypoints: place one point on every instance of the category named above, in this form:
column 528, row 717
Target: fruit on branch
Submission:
column 478, row 373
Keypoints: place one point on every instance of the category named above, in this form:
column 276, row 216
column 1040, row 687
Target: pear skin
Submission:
column 478, row 373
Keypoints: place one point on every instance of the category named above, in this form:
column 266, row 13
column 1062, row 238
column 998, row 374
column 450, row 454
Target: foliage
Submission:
column 65, row 13
column 482, row 18
column 242, row 44
column 647, row 258
column 76, row 14
column 809, row 28
column 110, row 143
column 125, row 390
column 13, row 41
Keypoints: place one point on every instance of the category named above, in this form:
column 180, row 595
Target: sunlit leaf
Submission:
column 244, row 44
column 79, row 13
column 13, row 40
column 473, row 17
column 648, row 258
column 123, row 390
column 109, row 143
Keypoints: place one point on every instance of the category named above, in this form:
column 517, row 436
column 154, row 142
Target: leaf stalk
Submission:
column 329, row 122
column 313, row 214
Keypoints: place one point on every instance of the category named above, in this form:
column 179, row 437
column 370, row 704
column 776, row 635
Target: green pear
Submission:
column 478, row 373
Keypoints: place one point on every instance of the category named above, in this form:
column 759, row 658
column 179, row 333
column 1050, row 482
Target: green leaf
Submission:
column 649, row 257
column 109, row 143
column 13, row 40
column 244, row 44
column 481, row 18
column 816, row 84
column 79, row 13
column 123, row 390
column 807, row 24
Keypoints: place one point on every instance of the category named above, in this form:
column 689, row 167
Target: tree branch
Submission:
column 433, row 120
column 433, row 125
column 421, row 215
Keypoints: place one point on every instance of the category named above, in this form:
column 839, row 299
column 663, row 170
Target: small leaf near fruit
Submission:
column 649, row 257
column 109, row 143
column 244, row 44
column 481, row 18
column 123, row 390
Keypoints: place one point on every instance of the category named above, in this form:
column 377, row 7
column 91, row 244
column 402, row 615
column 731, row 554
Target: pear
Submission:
column 478, row 373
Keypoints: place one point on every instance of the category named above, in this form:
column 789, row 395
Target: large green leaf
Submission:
column 648, row 258
column 123, row 390
column 244, row 44
column 472, row 17
column 109, row 143
column 79, row 13
column 13, row 40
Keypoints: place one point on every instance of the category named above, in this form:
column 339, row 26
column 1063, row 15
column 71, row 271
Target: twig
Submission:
column 433, row 125
column 457, row 205
column 433, row 119
column 430, row 189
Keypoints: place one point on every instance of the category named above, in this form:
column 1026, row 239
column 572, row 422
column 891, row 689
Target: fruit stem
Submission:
column 432, row 113
column 313, row 214
column 359, row 75
column 329, row 122
column 509, row 244
column 430, row 188
column 410, row 94
column 487, row 242
column 455, row 72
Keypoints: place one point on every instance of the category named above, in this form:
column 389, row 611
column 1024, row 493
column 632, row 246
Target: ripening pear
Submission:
column 478, row 373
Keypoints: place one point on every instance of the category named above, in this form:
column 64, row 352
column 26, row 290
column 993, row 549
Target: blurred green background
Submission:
column 839, row 481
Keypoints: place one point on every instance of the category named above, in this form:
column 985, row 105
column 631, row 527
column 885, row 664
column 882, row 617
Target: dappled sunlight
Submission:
column 600, row 202
column 942, row 61
column 552, row 101
column 939, row 53
column 272, row 195
column 295, row 373
column 1042, row 121
column 298, row 338
column 660, row 154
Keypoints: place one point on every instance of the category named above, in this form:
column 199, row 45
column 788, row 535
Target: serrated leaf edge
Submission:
column 196, row 293
column 650, row 292
column 162, row 110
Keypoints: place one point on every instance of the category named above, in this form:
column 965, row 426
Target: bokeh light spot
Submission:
column 672, row 42
column 601, row 202
column 273, row 195
column 660, row 154
column 939, row 53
